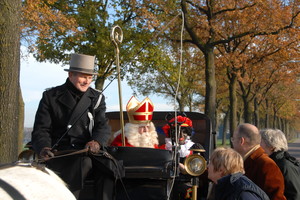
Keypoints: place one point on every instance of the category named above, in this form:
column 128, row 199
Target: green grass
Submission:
column 219, row 143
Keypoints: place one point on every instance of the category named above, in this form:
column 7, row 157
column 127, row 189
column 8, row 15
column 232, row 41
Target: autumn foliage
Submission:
column 240, row 56
column 41, row 20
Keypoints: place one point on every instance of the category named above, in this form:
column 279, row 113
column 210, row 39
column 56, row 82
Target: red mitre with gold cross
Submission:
column 139, row 112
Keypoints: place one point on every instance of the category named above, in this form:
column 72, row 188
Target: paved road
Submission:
column 294, row 148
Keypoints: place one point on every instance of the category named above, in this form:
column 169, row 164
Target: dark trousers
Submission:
column 75, row 170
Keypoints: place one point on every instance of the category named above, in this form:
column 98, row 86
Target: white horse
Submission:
column 22, row 181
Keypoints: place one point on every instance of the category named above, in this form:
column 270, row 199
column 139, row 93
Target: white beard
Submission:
column 146, row 139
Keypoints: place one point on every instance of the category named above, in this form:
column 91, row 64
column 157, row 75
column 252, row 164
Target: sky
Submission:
column 35, row 77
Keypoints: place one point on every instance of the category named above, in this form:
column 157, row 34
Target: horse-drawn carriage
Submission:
column 152, row 174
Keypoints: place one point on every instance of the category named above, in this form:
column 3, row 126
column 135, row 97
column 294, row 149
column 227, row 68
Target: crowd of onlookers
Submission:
column 257, row 167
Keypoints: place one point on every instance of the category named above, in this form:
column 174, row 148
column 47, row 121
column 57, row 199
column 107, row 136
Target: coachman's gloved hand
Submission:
column 93, row 146
column 46, row 153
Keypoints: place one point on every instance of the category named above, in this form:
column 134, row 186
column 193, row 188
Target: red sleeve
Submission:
column 118, row 142
column 163, row 146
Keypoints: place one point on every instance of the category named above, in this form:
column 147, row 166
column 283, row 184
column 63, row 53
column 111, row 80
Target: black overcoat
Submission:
column 59, row 114
column 290, row 168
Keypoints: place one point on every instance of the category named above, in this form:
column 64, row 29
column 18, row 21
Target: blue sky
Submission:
column 35, row 77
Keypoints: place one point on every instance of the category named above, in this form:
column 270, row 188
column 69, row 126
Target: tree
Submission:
column 242, row 55
column 10, row 94
column 208, row 25
column 39, row 20
column 215, row 22
column 161, row 75
column 283, row 102
column 84, row 26
column 256, row 64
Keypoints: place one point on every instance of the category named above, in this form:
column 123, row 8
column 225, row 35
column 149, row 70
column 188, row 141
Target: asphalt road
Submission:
column 294, row 148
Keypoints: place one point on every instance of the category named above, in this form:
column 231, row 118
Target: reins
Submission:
column 65, row 153
column 60, row 154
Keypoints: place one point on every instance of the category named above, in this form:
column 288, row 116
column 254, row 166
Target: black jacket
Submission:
column 289, row 167
column 238, row 187
column 58, row 111
column 62, row 122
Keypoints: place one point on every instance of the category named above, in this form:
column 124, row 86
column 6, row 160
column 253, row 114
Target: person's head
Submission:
column 224, row 161
column 81, row 81
column 245, row 137
column 141, row 135
column 140, row 131
column 273, row 140
column 81, row 71
column 184, row 127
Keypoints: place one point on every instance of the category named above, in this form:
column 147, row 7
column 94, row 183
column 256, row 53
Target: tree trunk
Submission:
column 225, row 127
column 240, row 115
column 9, row 82
column 233, row 103
column 267, row 118
column 210, row 89
column 287, row 130
column 247, row 112
column 275, row 118
column 210, row 74
column 21, row 122
column 280, row 127
column 283, row 125
column 180, row 106
column 190, row 102
column 99, row 83
column 256, row 113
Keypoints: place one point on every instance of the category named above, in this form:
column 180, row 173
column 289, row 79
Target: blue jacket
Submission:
column 238, row 187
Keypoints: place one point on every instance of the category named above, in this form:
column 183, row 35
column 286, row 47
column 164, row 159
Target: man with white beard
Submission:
column 140, row 130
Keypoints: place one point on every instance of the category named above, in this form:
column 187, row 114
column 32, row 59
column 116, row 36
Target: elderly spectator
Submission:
column 275, row 145
column 259, row 167
column 226, row 170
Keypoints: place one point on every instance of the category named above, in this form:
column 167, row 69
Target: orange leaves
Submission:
column 39, row 19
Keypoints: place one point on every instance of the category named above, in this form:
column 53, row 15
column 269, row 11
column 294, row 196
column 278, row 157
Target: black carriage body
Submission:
column 149, row 172
column 201, row 125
